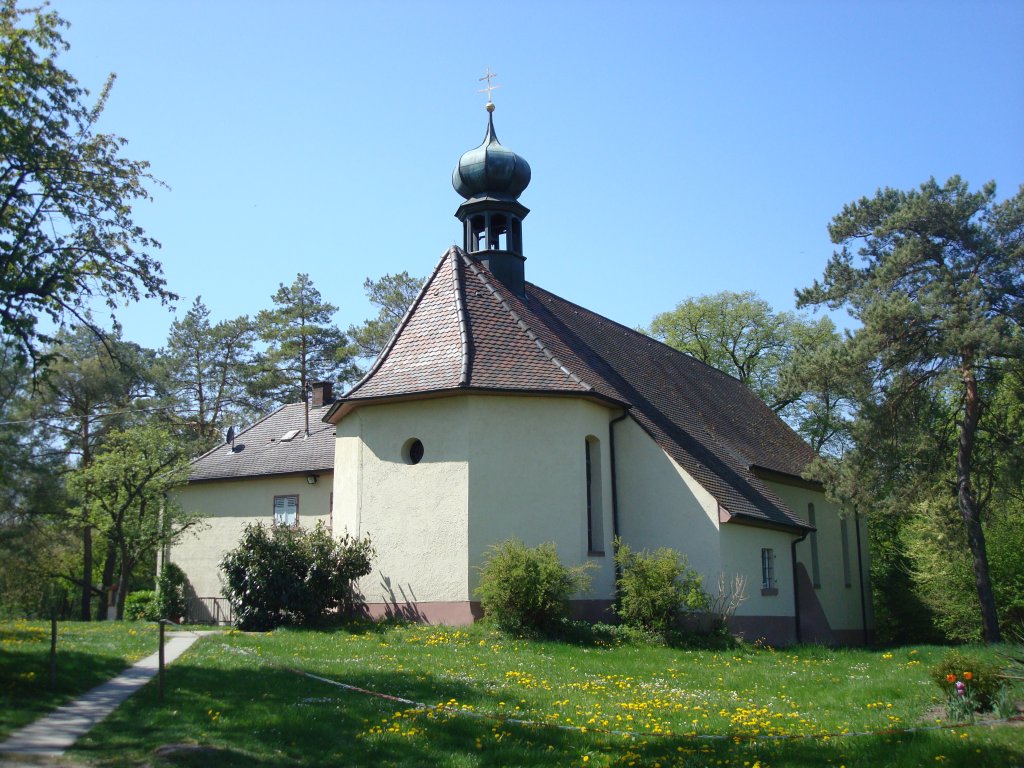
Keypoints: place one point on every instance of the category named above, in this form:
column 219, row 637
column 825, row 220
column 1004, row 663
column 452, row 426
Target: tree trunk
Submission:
column 85, row 613
column 107, row 582
column 122, row 588
column 969, row 505
column 86, row 599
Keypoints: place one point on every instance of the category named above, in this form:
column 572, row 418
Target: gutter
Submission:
column 611, row 461
column 860, row 579
column 615, row 493
column 796, row 584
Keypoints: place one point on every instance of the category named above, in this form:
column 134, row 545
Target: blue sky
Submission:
column 678, row 149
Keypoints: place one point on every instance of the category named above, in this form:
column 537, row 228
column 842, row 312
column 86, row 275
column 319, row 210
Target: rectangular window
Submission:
column 844, row 535
column 768, row 571
column 815, row 568
column 286, row 510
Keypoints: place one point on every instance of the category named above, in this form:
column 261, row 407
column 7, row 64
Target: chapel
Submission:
column 500, row 410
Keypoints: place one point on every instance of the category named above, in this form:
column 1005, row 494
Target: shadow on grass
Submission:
column 599, row 635
column 227, row 709
column 261, row 716
column 25, row 693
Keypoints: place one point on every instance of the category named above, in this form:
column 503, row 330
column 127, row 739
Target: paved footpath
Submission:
column 54, row 733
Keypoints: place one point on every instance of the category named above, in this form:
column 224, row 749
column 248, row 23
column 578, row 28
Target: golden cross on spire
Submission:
column 489, row 87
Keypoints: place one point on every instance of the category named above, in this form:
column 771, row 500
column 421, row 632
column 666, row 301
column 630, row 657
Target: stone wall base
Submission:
column 781, row 631
column 774, row 630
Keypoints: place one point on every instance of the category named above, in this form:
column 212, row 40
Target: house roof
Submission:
column 468, row 332
column 260, row 450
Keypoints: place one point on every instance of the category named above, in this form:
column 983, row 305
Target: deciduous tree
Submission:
column 93, row 386
column 124, row 493
column 740, row 334
column 66, row 192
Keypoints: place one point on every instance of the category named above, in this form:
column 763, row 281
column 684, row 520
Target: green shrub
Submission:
column 334, row 567
column 523, row 588
column 141, row 605
column 170, row 592
column 942, row 568
column 655, row 590
column 981, row 678
column 286, row 575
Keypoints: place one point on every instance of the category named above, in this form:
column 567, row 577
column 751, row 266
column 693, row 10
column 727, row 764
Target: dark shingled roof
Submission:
column 468, row 332
column 259, row 450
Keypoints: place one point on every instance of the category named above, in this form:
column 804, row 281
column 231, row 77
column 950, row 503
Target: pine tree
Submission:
column 939, row 290
column 207, row 369
column 303, row 345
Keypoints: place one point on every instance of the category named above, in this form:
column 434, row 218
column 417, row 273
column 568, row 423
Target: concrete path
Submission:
column 52, row 734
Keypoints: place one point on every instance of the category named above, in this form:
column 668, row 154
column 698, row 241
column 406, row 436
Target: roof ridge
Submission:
column 465, row 339
column 639, row 334
column 523, row 326
column 401, row 324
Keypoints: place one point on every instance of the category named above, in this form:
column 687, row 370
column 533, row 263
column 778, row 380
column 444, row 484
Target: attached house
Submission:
column 500, row 409
column 272, row 472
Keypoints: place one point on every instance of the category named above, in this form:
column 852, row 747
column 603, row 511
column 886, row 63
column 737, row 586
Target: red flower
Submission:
column 950, row 678
column 968, row 676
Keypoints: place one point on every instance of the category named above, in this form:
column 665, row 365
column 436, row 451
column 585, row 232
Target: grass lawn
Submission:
column 87, row 654
column 238, row 701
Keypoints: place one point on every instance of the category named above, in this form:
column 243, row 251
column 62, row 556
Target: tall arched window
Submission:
column 595, row 518
column 815, row 567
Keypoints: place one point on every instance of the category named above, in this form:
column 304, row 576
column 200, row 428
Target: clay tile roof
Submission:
column 259, row 449
column 463, row 331
column 466, row 331
column 707, row 421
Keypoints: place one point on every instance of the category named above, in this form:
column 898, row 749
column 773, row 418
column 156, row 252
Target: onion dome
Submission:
column 491, row 170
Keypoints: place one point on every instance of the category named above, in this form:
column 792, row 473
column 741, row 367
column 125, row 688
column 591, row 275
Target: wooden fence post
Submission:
column 160, row 674
column 53, row 649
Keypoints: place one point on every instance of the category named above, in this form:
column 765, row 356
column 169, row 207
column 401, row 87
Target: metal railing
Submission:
column 209, row 610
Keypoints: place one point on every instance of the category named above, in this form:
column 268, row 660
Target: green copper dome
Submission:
column 491, row 170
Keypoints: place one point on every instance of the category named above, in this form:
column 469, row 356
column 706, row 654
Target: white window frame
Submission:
column 281, row 517
column 768, row 583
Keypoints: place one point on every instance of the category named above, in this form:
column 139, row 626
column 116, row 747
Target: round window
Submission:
column 412, row 451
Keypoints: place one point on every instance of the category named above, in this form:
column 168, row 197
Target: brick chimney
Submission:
column 323, row 393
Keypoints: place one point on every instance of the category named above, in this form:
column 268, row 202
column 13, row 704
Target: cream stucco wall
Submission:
column 840, row 602
column 493, row 468
column 416, row 515
column 227, row 506
column 661, row 505
column 741, row 554
column 528, row 480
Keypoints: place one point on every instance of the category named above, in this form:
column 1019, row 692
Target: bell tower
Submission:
column 491, row 178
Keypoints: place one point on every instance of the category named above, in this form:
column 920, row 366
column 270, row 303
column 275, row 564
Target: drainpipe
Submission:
column 796, row 585
column 860, row 578
column 615, row 492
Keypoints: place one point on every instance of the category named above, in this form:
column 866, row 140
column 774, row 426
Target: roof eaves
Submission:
column 430, row 394
column 778, row 476
column 741, row 518
column 297, row 473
